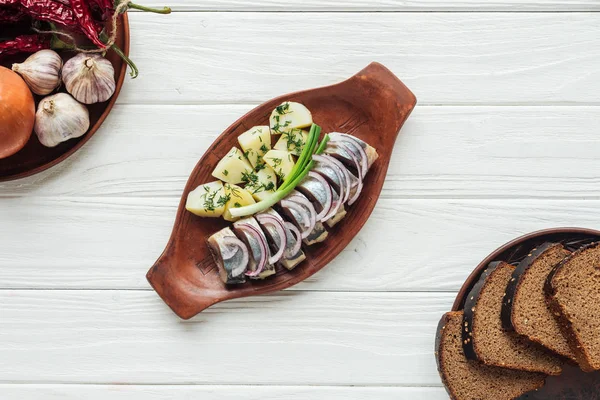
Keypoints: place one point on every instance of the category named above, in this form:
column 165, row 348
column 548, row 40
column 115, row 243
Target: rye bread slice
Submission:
column 484, row 338
column 573, row 292
column 471, row 380
column 525, row 309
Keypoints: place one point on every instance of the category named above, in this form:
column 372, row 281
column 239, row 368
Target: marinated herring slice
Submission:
column 300, row 211
column 250, row 232
column 319, row 192
column 371, row 153
column 293, row 254
column 230, row 254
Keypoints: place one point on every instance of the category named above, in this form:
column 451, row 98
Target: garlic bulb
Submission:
column 41, row 71
column 60, row 118
column 90, row 78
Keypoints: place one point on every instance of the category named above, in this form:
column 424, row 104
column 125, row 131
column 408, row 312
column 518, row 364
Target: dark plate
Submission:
column 34, row 157
column 573, row 384
column 372, row 105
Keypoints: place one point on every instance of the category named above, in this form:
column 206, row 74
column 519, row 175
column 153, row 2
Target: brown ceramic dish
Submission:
column 372, row 105
column 34, row 157
column 573, row 383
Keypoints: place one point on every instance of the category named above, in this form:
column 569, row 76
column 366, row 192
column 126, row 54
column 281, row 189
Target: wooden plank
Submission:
column 379, row 5
column 442, row 152
column 211, row 392
column 406, row 245
column 450, row 58
column 129, row 337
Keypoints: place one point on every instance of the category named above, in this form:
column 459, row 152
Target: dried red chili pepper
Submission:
column 106, row 8
column 11, row 15
column 46, row 10
column 83, row 14
column 24, row 44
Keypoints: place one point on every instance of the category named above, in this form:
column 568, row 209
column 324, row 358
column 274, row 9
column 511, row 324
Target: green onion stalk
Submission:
column 296, row 175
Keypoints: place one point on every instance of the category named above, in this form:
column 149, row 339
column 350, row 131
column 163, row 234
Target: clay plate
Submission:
column 573, row 384
column 34, row 157
column 373, row 105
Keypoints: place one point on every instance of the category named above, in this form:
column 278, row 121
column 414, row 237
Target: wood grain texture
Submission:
column 442, row 152
column 380, row 5
column 289, row 338
column 213, row 392
column 449, row 58
column 112, row 242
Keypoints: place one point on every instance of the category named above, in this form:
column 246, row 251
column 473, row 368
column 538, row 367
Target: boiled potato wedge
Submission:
column 262, row 183
column 238, row 197
column 290, row 115
column 255, row 143
column 207, row 200
column 281, row 161
column 292, row 141
column 232, row 167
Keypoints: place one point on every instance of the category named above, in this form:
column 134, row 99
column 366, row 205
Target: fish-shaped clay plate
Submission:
column 34, row 157
column 372, row 105
column 572, row 383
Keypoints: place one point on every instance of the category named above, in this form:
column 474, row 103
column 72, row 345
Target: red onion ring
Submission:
column 267, row 219
column 346, row 175
column 303, row 201
column 348, row 145
column 306, row 229
column 359, row 185
column 230, row 241
column 328, row 195
column 344, row 191
column 291, row 252
column 259, row 236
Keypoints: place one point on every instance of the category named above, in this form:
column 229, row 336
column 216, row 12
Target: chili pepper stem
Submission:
column 134, row 69
column 164, row 10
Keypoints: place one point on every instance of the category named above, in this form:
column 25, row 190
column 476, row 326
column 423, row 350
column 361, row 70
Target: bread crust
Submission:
column 438, row 354
column 515, row 281
column 469, row 311
column 566, row 325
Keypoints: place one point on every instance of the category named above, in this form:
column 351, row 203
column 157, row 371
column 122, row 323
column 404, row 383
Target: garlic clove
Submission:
column 60, row 118
column 90, row 78
column 41, row 71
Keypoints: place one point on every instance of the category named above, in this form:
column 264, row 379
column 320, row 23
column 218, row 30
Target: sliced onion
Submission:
column 352, row 148
column 235, row 243
column 359, row 184
column 277, row 224
column 303, row 201
column 291, row 252
column 259, row 236
column 306, row 226
column 327, row 163
column 348, row 181
column 328, row 195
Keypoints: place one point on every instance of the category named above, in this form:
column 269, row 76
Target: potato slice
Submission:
column 262, row 183
column 207, row 200
column 255, row 143
column 232, row 167
column 281, row 161
column 238, row 197
column 290, row 115
column 292, row 141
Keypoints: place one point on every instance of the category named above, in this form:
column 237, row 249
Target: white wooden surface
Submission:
column 504, row 141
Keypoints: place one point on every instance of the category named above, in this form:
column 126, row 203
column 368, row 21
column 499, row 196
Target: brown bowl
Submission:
column 573, row 384
column 35, row 157
column 371, row 105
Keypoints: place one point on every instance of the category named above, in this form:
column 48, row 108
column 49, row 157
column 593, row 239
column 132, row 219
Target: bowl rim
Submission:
column 474, row 276
column 119, row 84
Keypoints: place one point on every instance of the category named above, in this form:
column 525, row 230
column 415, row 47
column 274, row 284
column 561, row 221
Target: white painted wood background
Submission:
column 504, row 141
